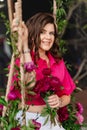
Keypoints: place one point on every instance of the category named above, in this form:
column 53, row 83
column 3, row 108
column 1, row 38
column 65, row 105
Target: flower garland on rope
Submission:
column 18, row 11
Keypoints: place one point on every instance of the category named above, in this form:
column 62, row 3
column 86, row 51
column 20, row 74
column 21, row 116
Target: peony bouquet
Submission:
column 71, row 116
column 47, row 86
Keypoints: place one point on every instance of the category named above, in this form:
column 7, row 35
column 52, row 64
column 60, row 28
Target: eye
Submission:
column 52, row 33
column 43, row 32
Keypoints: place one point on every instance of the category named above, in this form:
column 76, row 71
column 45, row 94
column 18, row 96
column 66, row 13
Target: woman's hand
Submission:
column 21, row 29
column 23, row 35
column 54, row 101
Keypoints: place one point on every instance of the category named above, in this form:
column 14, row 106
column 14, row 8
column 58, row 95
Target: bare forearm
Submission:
column 27, row 56
column 31, row 75
column 64, row 100
column 26, row 52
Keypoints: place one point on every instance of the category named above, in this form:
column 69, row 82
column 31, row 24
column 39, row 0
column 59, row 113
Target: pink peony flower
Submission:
column 1, row 109
column 13, row 95
column 17, row 62
column 63, row 114
column 79, row 108
column 36, row 124
column 42, row 85
column 8, row 67
column 80, row 118
column 46, row 71
column 15, row 78
column 48, row 84
column 29, row 66
column 55, row 83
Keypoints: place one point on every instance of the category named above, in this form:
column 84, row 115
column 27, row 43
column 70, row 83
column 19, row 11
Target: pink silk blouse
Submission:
column 58, row 70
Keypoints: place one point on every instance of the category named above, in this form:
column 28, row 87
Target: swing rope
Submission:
column 18, row 11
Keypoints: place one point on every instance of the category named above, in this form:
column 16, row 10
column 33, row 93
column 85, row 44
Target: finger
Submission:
column 53, row 101
column 14, row 15
column 15, row 24
column 52, row 97
column 53, row 105
column 14, row 29
column 25, row 28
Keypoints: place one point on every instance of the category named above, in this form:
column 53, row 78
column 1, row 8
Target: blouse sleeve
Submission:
column 67, row 82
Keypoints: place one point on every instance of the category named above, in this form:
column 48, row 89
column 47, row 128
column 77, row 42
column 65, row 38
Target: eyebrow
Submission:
column 46, row 30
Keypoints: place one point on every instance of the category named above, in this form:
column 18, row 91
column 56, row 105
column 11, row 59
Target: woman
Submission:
column 39, row 40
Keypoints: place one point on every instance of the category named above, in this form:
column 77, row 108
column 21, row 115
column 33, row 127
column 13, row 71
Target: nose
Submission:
column 48, row 36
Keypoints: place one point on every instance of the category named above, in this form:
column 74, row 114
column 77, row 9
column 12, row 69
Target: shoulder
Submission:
column 61, row 63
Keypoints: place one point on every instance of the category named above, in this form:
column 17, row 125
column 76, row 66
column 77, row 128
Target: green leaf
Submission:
column 30, row 82
column 3, row 102
column 3, row 119
column 31, row 92
column 31, row 126
column 44, row 112
column 46, row 120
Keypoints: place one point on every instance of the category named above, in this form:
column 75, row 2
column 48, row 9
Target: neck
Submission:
column 42, row 53
column 45, row 57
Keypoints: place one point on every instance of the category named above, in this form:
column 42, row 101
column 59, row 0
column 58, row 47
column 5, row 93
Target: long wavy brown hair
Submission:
column 35, row 25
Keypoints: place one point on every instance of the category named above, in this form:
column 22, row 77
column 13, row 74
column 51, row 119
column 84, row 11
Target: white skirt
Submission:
column 40, row 119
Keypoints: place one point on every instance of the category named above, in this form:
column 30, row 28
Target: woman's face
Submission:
column 47, row 37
